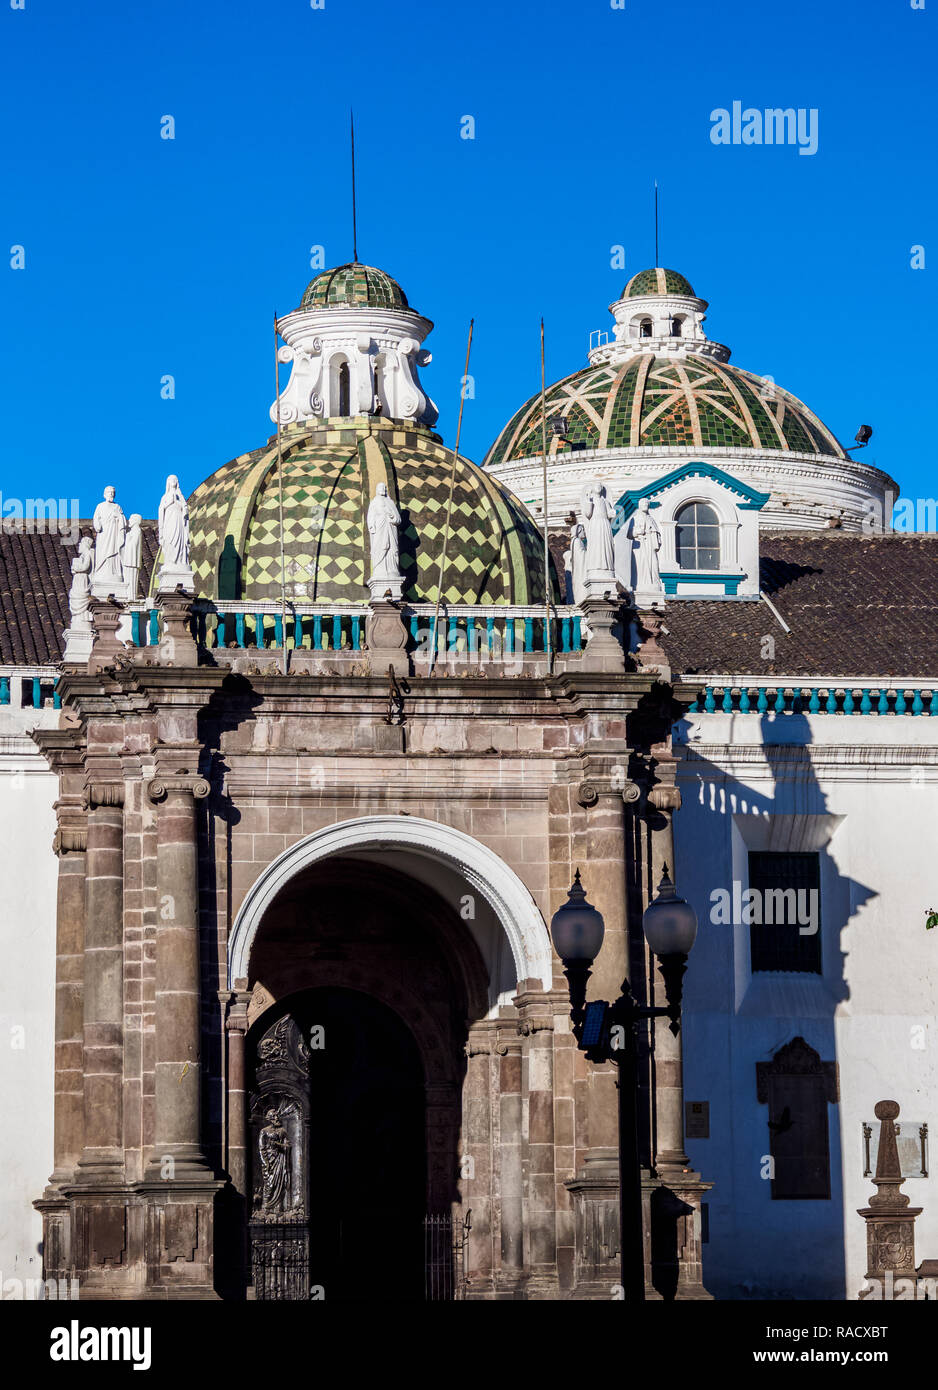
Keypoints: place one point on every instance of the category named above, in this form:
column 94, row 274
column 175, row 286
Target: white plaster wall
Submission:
column 806, row 490
column 867, row 788
column 28, row 872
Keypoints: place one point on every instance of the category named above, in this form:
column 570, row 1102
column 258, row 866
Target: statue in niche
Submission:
column 598, row 516
column 132, row 554
column 79, row 595
column 110, row 526
column 276, row 1159
column 645, row 534
column 174, row 526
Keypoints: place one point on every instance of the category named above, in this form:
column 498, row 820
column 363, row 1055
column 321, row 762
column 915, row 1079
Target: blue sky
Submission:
column 147, row 257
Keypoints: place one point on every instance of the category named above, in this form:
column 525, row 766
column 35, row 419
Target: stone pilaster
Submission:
column 103, row 986
column 511, row 1275
column 476, row 1162
column 177, row 1142
column 536, row 1027
column 70, row 845
column 179, row 1184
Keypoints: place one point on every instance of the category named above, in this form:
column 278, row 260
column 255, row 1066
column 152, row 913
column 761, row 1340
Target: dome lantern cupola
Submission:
column 355, row 346
column 658, row 312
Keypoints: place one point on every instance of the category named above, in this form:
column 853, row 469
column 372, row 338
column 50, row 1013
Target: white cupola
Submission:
column 658, row 313
column 355, row 346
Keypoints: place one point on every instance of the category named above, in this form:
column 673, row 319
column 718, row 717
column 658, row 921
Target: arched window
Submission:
column 644, row 329
column 677, row 327
column 697, row 537
column 345, row 394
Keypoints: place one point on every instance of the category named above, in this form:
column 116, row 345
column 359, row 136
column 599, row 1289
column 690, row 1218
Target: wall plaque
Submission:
column 697, row 1119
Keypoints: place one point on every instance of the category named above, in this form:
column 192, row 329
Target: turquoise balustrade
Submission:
column 820, row 699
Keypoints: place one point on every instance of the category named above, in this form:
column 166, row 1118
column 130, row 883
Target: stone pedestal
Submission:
column 605, row 650
column 595, row 1193
column 107, row 646
column 177, row 646
column 386, row 639
column 79, row 640
column 386, row 590
column 890, row 1221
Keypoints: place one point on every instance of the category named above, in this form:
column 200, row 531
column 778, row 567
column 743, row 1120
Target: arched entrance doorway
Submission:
column 338, row 1118
column 354, row 1079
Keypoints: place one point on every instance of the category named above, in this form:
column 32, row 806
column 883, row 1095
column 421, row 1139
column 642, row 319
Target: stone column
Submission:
column 236, row 1027
column 595, row 1188
column 537, row 1027
column 475, row 1156
column 670, row 1158
column 510, row 1279
column 70, row 845
column 675, row 1251
column 68, row 1118
column 177, row 1135
column 103, row 987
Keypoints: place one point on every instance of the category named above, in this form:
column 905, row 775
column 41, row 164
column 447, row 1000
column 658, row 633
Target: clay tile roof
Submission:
column 856, row 606
column 35, row 577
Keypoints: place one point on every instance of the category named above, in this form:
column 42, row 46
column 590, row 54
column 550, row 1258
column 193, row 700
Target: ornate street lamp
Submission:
column 607, row 1032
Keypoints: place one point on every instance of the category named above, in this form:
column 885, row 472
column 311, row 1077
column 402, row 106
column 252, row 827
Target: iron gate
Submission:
column 438, row 1258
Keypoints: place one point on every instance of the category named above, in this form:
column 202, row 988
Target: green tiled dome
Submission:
column 690, row 402
column 356, row 285
column 658, row 281
column 330, row 473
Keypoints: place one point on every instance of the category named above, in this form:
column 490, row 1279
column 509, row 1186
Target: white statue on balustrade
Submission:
column 384, row 522
column 110, row 526
column 173, row 521
column 598, row 515
column 575, row 562
column 645, row 535
column 132, row 555
column 79, row 635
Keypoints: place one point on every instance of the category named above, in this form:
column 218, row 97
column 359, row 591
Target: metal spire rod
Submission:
column 656, row 222
column 351, row 116
column 449, row 505
column 548, row 645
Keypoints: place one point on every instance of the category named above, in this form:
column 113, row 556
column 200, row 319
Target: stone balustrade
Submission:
column 795, row 696
column 28, row 687
column 493, row 630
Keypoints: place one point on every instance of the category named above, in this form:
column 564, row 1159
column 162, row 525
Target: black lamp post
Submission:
column 607, row 1032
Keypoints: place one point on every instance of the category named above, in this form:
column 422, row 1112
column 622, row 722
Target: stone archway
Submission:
column 357, row 939
column 416, row 844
